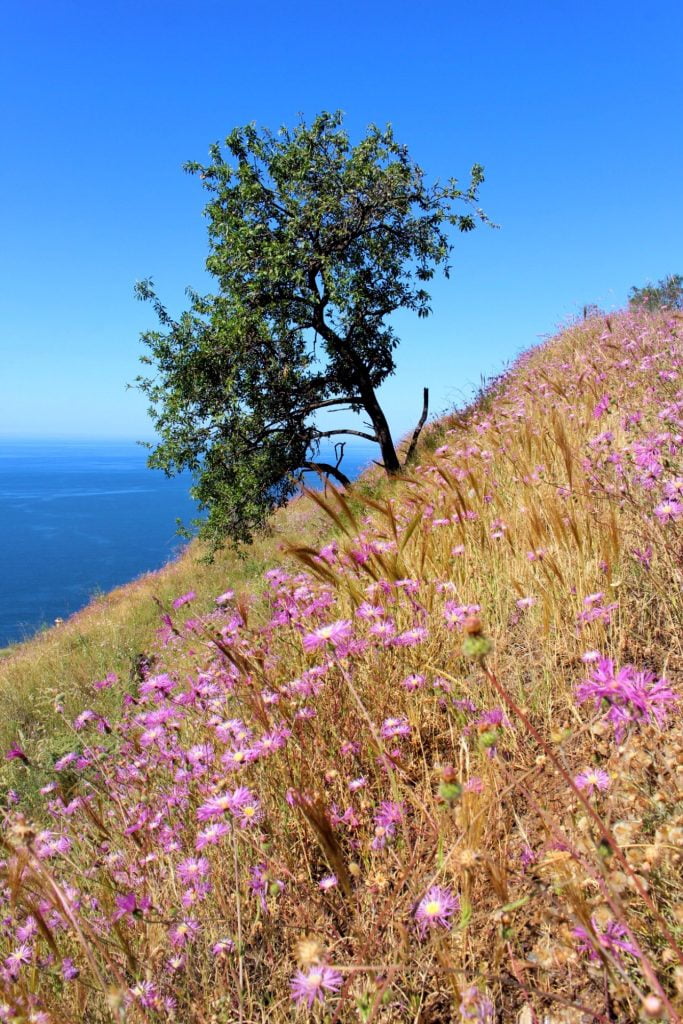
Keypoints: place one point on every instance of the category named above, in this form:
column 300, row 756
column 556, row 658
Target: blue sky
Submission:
column 573, row 108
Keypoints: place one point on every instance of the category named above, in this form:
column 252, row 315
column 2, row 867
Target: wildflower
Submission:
column 632, row 696
column 611, row 939
column 385, row 630
column 315, row 983
column 272, row 741
column 413, row 682
column 183, row 932
column 82, row 720
column 410, row 637
column 435, row 908
column 669, row 511
column 223, row 947
column 184, row 599
column 69, row 970
column 595, row 610
column 109, row 680
column 15, row 753
column 261, row 883
column 245, row 807
column 238, row 757
column 62, row 762
column 18, row 957
column 394, row 727
column 388, row 816
column 193, row 869
column 130, row 906
column 225, row 597
column 601, row 407
column 644, row 555
column 328, row 882
column 28, row 930
column 214, row 807
column 674, row 488
column 591, row 779
column 525, row 602
column 455, row 614
column 147, row 994
column 371, row 612
column 527, row 856
column 333, row 633
column 476, row 1007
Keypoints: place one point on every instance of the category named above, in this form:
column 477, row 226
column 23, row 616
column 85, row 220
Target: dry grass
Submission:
column 422, row 811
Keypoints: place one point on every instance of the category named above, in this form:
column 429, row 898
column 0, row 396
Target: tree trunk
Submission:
column 379, row 422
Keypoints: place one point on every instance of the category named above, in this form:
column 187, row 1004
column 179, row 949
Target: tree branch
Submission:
column 348, row 400
column 418, row 429
column 329, row 470
column 356, row 433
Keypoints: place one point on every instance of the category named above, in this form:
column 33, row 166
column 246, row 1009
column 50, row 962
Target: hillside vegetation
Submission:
column 431, row 771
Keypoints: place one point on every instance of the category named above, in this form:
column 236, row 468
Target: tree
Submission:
column 666, row 294
column 314, row 243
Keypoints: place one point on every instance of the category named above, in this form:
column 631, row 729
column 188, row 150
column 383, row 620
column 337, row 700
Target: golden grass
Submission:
column 518, row 499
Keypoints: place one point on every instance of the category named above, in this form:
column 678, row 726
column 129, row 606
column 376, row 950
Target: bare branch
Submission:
column 328, row 470
column 356, row 433
column 418, row 429
column 348, row 400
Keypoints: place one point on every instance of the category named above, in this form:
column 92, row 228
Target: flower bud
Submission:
column 476, row 646
column 449, row 792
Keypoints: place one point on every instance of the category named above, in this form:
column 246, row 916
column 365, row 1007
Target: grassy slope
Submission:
column 59, row 665
column 404, row 760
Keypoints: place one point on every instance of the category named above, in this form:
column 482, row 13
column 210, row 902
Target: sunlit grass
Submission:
column 427, row 769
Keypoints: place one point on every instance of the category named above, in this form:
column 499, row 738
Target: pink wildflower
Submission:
column 669, row 511
column 333, row 633
column 223, row 947
column 612, row 939
column 591, row 779
column 410, row 637
column 395, row 727
column 435, row 909
column 315, row 983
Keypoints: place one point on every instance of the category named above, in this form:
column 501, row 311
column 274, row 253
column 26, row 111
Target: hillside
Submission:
column 429, row 769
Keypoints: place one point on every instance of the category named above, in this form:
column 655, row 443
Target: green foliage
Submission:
column 314, row 243
column 666, row 294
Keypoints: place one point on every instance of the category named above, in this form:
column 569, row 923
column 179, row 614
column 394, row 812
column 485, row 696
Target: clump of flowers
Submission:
column 629, row 696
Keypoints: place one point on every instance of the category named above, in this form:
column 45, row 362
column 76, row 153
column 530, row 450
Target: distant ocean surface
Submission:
column 78, row 518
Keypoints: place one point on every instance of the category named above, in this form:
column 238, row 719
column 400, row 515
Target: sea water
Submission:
column 78, row 518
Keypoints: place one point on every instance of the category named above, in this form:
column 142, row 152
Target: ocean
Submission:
column 78, row 518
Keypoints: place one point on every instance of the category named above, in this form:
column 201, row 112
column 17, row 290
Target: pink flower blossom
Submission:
column 315, row 983
column 435, row 909
column 333, row 633
column 591, row 779
column 394, row 727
